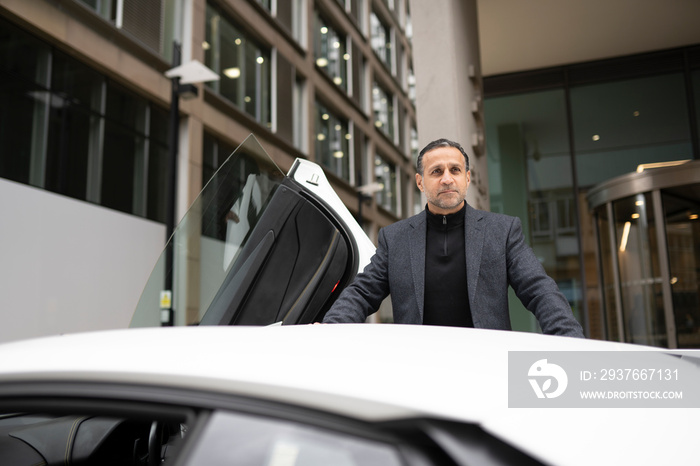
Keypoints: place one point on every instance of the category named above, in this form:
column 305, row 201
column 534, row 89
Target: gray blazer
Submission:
column 496, row 255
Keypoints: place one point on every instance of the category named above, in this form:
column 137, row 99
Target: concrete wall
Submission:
column 69, row 266
column 448, row 79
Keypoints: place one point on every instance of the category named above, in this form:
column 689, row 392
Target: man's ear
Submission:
column 419, row 181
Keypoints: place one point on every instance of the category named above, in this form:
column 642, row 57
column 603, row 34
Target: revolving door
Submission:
column 648, row 235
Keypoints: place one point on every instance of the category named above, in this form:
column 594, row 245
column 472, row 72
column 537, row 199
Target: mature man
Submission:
column 452, row 264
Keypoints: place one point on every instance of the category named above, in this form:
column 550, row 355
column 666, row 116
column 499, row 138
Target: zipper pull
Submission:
column 444, row 223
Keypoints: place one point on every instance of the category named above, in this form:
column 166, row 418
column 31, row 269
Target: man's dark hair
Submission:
column 440, row 143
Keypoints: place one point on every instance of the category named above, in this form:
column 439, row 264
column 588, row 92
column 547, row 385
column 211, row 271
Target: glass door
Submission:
column 681, row 210
column 648, row 255
column 640, row 272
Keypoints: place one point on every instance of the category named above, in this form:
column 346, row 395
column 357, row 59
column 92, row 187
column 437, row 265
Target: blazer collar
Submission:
column 474, row 245
column 417, row 238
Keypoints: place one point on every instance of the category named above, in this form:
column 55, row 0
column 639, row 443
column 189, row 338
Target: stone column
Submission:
column 447, row 66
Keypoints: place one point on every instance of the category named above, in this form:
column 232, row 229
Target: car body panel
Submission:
column 375, row 373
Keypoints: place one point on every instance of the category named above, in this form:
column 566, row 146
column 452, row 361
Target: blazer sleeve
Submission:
column 366, row 293
column 537, row 291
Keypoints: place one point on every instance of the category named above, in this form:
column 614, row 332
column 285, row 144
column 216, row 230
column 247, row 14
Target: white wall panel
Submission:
column 69, row 266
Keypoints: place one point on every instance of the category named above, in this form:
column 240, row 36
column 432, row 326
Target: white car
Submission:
column 308, row 395
column 261, row 249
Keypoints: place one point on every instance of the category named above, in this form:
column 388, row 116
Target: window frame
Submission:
column 256, row 101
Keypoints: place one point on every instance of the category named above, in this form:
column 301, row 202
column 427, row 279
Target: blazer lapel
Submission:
column 417, row 252
column 473, row 245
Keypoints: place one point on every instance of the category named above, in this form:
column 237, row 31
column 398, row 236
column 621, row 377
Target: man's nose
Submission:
column 446, row 178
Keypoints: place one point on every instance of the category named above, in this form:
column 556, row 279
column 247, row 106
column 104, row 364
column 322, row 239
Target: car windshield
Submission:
column 208, row 242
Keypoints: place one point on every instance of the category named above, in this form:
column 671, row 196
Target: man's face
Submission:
column 445, row 180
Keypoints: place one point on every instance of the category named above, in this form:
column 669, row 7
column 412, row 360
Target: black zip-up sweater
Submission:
column 446, row 299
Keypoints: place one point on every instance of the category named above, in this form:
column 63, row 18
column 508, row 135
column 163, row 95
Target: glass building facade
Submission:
column 85, row 116
column 555, row 136
column 85, row 131
column 72, row 130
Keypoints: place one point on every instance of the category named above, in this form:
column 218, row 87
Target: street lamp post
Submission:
column 183, row 79
column 364, row 193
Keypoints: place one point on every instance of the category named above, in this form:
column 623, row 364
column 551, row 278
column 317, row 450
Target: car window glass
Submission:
column 208, row 241
column 34, row 439
column 236, row 439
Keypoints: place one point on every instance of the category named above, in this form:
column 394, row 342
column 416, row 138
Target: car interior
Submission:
column 86, row 439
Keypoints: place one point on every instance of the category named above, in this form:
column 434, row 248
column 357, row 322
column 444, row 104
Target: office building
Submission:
column 85, row 115
column 559, row 104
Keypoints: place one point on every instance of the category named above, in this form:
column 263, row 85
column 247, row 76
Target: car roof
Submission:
column 388, row 364
column 369, row 372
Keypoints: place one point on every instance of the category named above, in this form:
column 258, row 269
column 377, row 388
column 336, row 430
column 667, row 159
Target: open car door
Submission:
column 257, row 248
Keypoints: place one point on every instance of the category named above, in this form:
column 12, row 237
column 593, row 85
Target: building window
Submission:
column 566, row 215
column 330, row 52
column 417, row 200
column 135, row 183
column 71, row 131
column 383, row 106
column 553, row 216
column 400, row 12
column 299, row 21
column 123, row 134
column 540, row 214
column 242, row 63
column 399, row 64
column 358, row 72
column 157, row 163
column 143, row 20
column 357, row 9
column 333, row 142
column 104, row 8
column 411, row 82
column 74, row 127
column 415, row 146
column 380, row 40
column 621, row 124
column 300, row 119
column 409, row 23
column 385, row 174
column 291, row 15
column 214, row 153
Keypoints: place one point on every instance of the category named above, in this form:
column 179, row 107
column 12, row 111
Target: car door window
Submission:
column 86, row 439
column 237, row 439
